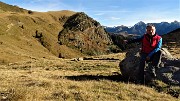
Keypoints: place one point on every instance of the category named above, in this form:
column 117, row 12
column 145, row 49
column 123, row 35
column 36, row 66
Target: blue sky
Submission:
column 110, row 12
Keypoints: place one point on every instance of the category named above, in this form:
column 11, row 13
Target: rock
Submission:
column 85, row 34
column 80, row 59
column 168, row 72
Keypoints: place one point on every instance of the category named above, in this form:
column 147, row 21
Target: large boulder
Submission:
column 168, row 72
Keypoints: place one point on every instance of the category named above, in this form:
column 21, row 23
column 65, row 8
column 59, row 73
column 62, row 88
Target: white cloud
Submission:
column 114, row 18
column 99, row 14
column 112, row 11
column 44, row 5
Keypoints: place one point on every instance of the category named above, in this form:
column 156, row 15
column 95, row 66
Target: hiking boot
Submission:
column 153, row 75
column 140, row 82
column 152, row 71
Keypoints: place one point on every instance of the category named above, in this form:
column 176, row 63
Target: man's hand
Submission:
column 125, row 41
column 147, row 58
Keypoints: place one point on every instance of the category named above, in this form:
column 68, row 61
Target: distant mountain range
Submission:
column 140, row 27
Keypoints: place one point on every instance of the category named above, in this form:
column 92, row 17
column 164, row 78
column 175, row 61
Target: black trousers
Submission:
column 155, row 59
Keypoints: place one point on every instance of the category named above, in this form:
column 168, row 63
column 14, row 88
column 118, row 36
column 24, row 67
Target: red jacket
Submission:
column 149, row 43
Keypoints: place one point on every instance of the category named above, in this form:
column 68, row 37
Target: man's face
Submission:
column 150, row 30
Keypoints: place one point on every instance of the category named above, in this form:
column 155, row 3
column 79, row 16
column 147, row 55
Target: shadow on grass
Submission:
column 114, row 77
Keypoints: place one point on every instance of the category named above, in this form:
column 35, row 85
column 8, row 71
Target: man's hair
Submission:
column 150, row 25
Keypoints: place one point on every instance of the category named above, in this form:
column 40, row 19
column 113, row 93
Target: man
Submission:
column 150, row 52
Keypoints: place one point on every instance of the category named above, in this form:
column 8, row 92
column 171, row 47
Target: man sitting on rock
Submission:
column 150, row 52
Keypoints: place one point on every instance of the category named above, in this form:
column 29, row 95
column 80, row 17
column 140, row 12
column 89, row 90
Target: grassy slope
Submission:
column 64, row 79
column 18, row 42
column 17, row 31
column 172, row 42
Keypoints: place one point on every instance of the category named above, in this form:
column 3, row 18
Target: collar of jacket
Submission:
column 151, row 36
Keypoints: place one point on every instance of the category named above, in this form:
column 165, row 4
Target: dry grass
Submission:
column 18, row 31
column 68, row 80
column 175, row 52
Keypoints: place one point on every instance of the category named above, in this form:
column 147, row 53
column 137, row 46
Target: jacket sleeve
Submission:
column 135, row 40
column 158, row 47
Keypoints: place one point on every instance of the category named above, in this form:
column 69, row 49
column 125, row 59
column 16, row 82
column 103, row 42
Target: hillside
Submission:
column 27, row 34
column 171, row 40
column 36, row 63
column 9, row 8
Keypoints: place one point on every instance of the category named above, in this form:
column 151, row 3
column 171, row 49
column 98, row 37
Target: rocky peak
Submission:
column 140, row 23
column 175, row 22
column 80, row 21
column 85, row 34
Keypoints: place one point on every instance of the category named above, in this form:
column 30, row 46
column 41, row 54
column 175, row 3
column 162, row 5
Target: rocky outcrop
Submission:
column 169, row 71
column 85, row 34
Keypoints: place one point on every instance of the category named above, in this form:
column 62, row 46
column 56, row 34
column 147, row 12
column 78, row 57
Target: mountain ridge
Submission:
column 140, row 27
column 10, row 8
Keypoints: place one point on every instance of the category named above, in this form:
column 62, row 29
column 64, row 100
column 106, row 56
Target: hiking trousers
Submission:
column 155, row 59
